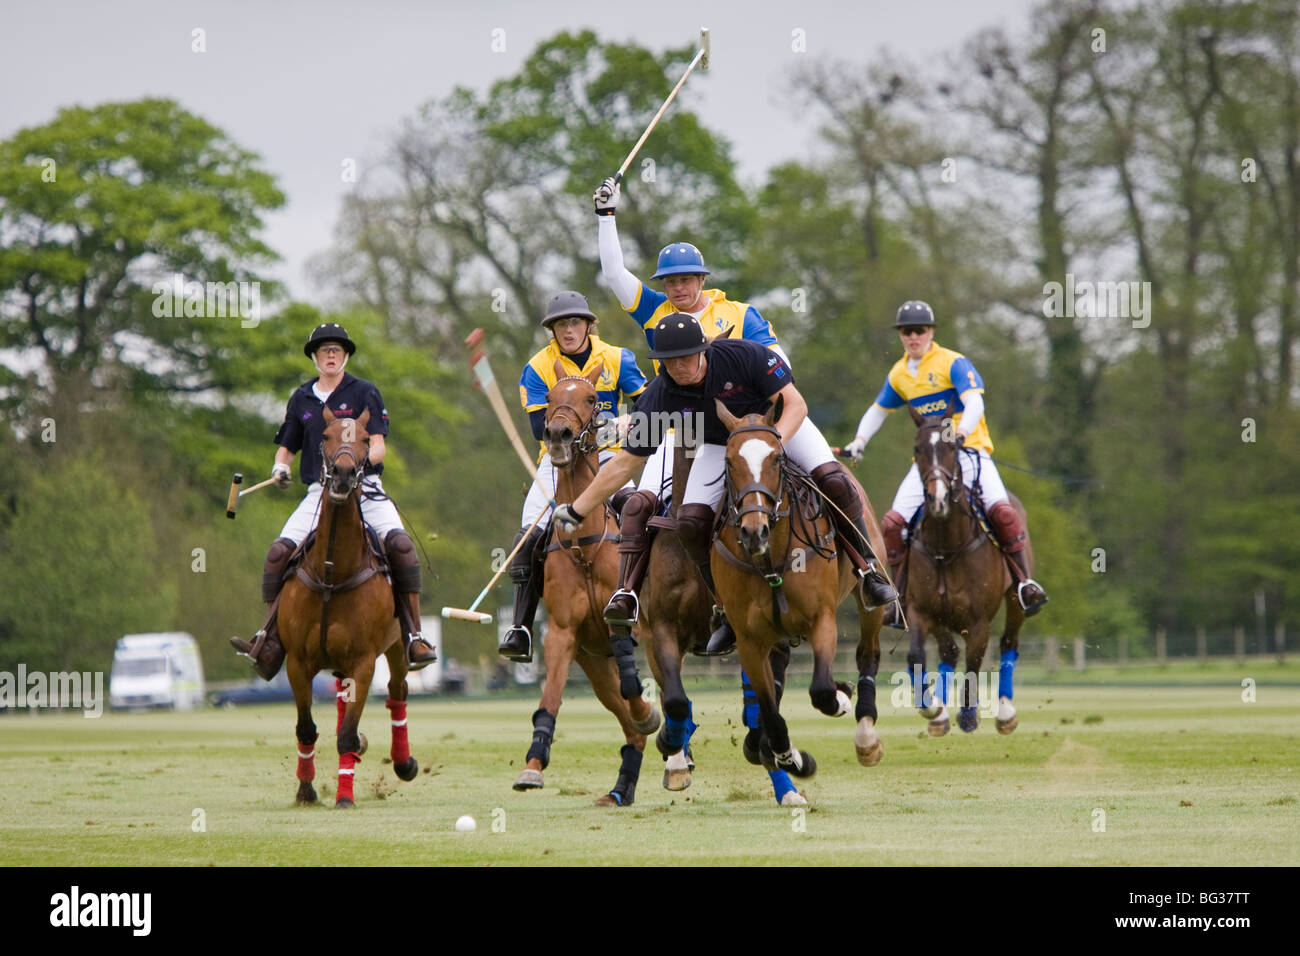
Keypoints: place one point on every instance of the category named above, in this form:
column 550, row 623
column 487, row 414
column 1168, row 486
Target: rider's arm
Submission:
column 871, row 422
column 284, row 456
column 972, row 412
column 378, row 448
column 622, row 283
column 613, row 475
column 793, row 413
column 537, row 418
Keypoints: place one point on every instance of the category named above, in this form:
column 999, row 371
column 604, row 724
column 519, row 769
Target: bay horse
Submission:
column 957, row 578
column 781, row 576
column 677, row 607
column 336, row 612
column 580, row 577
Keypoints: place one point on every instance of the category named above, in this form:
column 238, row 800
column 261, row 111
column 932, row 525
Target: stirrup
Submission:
column 722, row 640
column 1030, row 609
column 876, row 589
column 412, row 663
column 893, row 616
column 511, row 653
column 244, row 648
column 618, row 620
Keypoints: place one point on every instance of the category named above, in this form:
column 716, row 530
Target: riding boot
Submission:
column 838, row 486
column 695, row 528
column 623, row 608
column 891, row 527
column 265, row 651
column 404, row 567
column 517, row 642
column 1012, row 537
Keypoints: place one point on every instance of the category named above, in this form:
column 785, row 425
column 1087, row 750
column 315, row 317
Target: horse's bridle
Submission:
column 736, row 509
column 954, row 480
column 328, row 463
column 584, row 440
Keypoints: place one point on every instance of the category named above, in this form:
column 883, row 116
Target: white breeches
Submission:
column 381, row 514
column 536, row 502
column 807, row 449
column 911, row 493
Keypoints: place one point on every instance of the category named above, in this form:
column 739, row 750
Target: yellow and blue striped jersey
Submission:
column 721, row 317
column 620, row 380
column 941, row 376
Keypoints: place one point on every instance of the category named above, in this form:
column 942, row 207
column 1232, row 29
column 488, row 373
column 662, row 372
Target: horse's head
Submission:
column 344, row 449
column 570, row 415
column 935, row 453
column 753, row 475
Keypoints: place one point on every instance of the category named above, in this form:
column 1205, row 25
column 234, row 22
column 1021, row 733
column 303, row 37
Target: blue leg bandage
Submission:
column 1006, row 672
column 678, row 732
column 781, row 783
column 749, row 716
column 918, row 685
column 945, row 681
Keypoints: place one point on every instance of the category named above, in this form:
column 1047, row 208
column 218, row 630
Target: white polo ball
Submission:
column 466, row 824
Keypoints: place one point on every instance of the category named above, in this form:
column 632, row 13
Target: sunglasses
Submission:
column 914, row 330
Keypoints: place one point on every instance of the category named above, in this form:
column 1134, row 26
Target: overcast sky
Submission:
column 309, row 84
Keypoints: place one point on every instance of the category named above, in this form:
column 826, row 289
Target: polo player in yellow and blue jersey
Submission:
column 928, row 377
column 580, row 351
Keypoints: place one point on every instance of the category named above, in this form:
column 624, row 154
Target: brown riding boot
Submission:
column 838, row 486
column 623, row 609
column 526, row 573
column 404, row 567
column 891, row 527
column 695, row 528
column 265, row 651
column 1012, row 536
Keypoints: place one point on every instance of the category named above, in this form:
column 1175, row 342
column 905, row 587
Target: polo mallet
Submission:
column 487, row 382
column 702, row 60
column 232, row 503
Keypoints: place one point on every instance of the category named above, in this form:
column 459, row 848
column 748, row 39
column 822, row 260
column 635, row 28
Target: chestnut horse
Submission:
column 781, row 576
column 581, row 575
column 336, row 612
column 957, row 578
column 677, row 607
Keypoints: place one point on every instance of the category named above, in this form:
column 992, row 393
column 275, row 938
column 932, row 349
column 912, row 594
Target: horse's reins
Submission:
column 939, row 558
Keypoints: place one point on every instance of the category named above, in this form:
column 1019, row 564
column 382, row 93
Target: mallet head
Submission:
column 232, row 503
column 704, row 45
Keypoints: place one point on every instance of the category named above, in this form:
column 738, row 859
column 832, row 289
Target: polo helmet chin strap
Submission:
column 342, row 366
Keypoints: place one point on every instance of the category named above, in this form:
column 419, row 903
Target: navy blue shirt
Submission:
column 304, row 421
column 744, row 374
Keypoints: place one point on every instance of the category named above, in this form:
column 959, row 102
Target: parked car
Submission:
column 156, row 670
column 258, row 691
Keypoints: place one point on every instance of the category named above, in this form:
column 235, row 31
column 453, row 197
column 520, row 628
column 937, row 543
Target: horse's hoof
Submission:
column 609, row 800
column 677, row 772
column 843, row 703
column 968, row 719
column 406, row 771
column 804, row 766
column 751, row 746
column 306, row 794
column 1007, row 719
column 343, row 803
column 937, row 728
column 867, row 743
column 361, row 750
column 931, row 712
column 1007, row 726
column 529, row 780
column 650, row 724
column 794, row 798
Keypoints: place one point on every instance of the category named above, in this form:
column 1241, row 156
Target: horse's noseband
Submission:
column 735, row 499
column 329, row 462
column 585, row 438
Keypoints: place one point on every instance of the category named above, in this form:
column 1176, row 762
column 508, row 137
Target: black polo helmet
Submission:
column 914, row 312
column 566, row 305
column 677, row 335
column 328, row 332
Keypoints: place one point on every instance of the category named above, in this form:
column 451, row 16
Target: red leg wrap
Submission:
column 401, row 751
column 346, row 764
column 306, row 762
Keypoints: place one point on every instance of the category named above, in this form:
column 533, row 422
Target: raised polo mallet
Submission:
column 487, row 382
column 232, row 503
column 702, row 60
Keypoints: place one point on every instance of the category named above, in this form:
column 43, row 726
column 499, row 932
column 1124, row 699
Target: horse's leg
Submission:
column 349, row 739
column 940, row 723
column 866, row 741
column 754, row 659
column 754, row 747
column 675, row 736
column 300, row 681
column 1010, row 647
column 977, row 642
column 923, row 698
column 404, row 765
column 605, row 675
column 561, row 643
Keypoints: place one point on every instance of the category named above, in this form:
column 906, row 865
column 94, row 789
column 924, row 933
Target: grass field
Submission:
column 1185, row 774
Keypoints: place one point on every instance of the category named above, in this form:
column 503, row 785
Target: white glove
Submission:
column 568, row 519
column 606, row 197
column 854, row 448
column 282, row 475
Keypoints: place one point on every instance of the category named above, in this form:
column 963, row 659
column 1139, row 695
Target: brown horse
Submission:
column 581, row 574
column 957, row 578
column 781, row 576
column 337, row 613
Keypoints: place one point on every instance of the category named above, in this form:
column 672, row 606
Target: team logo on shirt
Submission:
column 306, row 416
column 772, row 360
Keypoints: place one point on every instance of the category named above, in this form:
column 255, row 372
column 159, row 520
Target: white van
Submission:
column 156, row 670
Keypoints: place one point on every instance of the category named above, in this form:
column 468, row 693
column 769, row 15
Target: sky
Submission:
column 308, row 85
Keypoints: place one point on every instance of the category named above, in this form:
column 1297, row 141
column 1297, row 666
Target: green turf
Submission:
column 1185, row 776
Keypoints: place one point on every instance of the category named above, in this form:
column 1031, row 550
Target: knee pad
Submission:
column 891, row 527
column 638, row 508
column 838, row 485
column 695, row 528
column 403, row 563
column 277, row 558
column 1008, row 526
